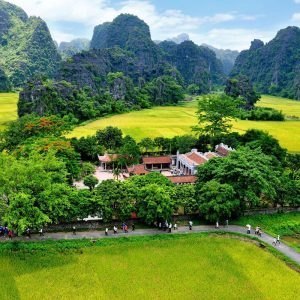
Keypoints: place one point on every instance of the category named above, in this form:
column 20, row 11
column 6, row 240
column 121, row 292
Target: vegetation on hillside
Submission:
column 274, row 67
column 26, row 46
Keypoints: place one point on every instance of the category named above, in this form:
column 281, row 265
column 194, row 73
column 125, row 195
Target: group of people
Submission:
column 166, row 226
column 257, row 231
column 6, row 232
column 225, row 224
column 124, row 228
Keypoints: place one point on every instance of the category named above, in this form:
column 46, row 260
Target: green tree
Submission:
column 254, row 138
column 129, row 153
column 90, row 181
column 40, row 181
column 154, row 203
column 215, row 113
column 146, row 144
column 241, row 87
column 184, row 195
column 110, row 138
column 216, row 201
column 115, row 199
column 251, row 174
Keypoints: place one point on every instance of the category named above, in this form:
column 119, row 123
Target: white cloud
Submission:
column 235, row 39
column 297, row 1
column 296, row 16
column 163, row 24
column 93, row 12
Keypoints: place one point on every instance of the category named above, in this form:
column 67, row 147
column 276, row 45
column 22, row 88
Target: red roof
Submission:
column 157, row 160
column 182, row 179
column 107, row 158
column 196, row 158
column 137, row 170
column 222, row 150
column 210, row 155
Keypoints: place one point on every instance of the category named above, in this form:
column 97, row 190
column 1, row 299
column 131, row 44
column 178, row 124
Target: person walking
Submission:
column 170, row 227
column 28, row 233
column 226, row 223
column 106, row 231
column 175, row 226
column 133, row 227
column 248, row 229
column 126, row 228
column 217, row 225
column 190, row 225
column 10, row 234
column 115, row 229
column 159, row 226
column 41, row 232
column 74, row 230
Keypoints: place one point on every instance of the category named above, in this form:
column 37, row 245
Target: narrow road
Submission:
column 283, row 248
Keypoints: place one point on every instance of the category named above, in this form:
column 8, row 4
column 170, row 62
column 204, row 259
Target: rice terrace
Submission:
column 149, row 150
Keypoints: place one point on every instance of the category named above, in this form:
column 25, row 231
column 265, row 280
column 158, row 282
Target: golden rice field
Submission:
column 8, row 108
column 177, row 120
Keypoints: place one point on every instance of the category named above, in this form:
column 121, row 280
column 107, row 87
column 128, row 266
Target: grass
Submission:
column 8, row 108
column 178, row 120
column 203, row 266
column 285, row 224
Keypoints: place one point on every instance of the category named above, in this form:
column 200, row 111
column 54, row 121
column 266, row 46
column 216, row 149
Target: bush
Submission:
column 262, row 114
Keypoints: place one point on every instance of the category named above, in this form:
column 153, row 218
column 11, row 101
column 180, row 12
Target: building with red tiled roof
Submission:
column 223, row 150
column 137, row 170
column 189, row 179
column 187, row 164
column 157, row 162
column 107, row 160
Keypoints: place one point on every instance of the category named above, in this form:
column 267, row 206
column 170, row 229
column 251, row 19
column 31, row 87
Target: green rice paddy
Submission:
column 180, row 267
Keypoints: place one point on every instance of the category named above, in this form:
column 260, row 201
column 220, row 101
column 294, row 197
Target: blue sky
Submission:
column 229, row 24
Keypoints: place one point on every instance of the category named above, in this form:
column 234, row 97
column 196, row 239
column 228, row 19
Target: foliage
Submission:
column 33, row 190
column 184, row 195
column 269, row 145
column 90, row 181
column 262, row 114
column 154, row 203
column 215, row 113
column 241, row 87
column 281, row 223
column 249, row 172
column 29, row 126
column 129, row 153
column 110, row 138
column 273, row 67
column 87, row 147
column 26, row 45
column 217, row 201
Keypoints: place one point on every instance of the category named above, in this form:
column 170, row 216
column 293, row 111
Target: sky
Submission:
column 226, row 24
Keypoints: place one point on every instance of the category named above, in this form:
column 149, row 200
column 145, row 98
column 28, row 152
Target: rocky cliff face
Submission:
column 68, row 49
column 26, row 46
column 273, row 67
column 197, row 64
column 131, row 34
